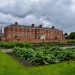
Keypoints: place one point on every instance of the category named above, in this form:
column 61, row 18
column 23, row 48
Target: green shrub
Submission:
column 71, row 41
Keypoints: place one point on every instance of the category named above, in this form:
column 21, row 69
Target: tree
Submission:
column 72, row 35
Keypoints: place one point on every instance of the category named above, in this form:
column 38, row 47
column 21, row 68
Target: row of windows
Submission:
column 20, row 29
column 29, row 33
column 33, row 34
column 55, row 38
column 37, row 30
column 33, row 31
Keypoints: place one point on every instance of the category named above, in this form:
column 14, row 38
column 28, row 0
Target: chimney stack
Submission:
column 53, row 27
column 32, row 25
column 40, row 25
column 16, row 23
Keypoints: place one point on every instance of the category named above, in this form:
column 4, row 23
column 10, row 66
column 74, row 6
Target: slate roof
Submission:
column 37, row 27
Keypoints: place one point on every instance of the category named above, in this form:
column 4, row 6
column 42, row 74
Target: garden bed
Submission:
column 9, row 66
column 45, row 56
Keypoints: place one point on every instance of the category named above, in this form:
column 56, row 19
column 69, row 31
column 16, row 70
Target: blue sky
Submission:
column 60, row 13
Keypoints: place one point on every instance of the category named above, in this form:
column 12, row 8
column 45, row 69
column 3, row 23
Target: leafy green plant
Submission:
column 14, row 44
column 44, row 55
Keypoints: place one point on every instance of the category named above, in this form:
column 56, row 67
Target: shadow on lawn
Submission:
column 22, row 61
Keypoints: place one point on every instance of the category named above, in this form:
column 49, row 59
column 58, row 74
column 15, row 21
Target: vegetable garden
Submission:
column 45, row 55
column 40, row 53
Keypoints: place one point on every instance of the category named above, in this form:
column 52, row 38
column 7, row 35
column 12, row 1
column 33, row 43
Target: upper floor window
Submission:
column 20, row 29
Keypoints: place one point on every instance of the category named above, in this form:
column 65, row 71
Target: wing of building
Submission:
column 22, row 33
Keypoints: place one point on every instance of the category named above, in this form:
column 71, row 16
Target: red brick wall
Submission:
column 20, row 34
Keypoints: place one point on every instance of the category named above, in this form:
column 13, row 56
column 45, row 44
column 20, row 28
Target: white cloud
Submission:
column 47, row 12
column 4, row 2
column 73, row 6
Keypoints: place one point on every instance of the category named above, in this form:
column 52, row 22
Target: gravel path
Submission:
column 68, row 47
column 7, row 50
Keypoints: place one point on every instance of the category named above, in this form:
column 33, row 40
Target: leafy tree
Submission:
column 72, row 35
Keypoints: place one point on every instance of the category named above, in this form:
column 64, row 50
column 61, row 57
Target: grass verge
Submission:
column 9, row 66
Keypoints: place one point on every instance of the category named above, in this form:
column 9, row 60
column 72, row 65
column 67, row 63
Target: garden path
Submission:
column 7, row 50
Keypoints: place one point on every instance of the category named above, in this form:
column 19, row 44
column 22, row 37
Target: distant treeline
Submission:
column 70, row 36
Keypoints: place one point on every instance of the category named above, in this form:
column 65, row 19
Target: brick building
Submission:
column 22, row 33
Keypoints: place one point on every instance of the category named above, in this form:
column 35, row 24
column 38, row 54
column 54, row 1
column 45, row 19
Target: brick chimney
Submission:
column 32, row 25
column 40, row 25
column 53, row 27
column 16, row 23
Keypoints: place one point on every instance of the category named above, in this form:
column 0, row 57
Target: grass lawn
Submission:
column 9, row 66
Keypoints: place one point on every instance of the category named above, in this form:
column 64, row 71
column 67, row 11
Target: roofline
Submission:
column 30, row 27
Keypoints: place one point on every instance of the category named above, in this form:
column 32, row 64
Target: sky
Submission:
column 58, row 13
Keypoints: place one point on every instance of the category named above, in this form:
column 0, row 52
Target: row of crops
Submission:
column 45, row 55
column 14, row 44
column 19, row 44
column 41, row 53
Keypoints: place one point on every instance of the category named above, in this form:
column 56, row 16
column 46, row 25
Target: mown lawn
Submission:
column 9, row 66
